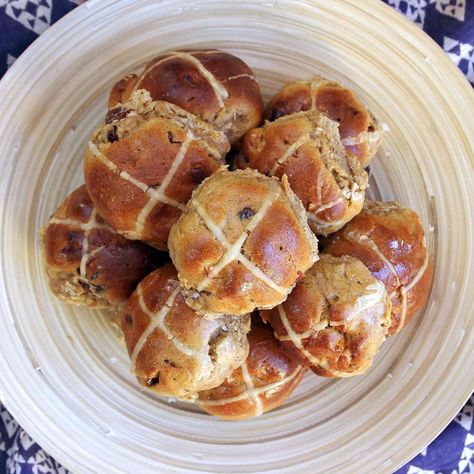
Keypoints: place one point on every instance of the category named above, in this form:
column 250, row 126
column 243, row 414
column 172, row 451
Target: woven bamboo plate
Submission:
column 64, row 373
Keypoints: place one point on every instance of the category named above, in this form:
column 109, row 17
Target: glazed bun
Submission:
column 389, row 239
column 241, row 244
column 263, row 382
column 216, row 86
column 122, row 91
column 360, row 132
column 87, row 262
column 174, row 351
column 335, row 319
column 306, row 147
column 142, row 165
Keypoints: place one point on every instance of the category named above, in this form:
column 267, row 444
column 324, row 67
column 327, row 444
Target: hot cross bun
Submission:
column 336, row 318
column 241, row 244
column 174, row 351
column 87, row 262
column 263, row 382
column 216, row 86
column 306, row 147
column 142, row 165
column 389, row 239
column 360, row 132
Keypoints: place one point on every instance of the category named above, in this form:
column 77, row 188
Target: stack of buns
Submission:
column 247, row 304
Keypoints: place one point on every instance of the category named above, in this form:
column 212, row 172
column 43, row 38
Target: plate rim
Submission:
column 92, row 6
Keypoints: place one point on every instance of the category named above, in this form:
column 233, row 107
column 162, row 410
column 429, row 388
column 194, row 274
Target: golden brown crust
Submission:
column 335, row 319
column 306, row 147
column 174, row 351
column 264, row 382
column 143, row 164
column 389, row 239
column 216, row 86
column 241, row 244
column 87, row 262
column 122, row 90
column 360, row 132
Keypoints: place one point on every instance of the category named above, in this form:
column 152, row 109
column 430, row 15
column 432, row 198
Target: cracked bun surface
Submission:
column 241, row 244
column 263, row 382
column 174, row 351
column 336, row 318
column 360, row 131
column 215, row 86
column 87, row 262
column 389, row 239
column 142, row 165
column 306, row 147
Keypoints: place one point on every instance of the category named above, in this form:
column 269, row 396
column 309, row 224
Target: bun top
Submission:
column 336, row 318
column 241, row 244
column 307, row 148
column 264, row 381
column 174, row 351
column 214, row 85
column 87, row 262
column 144, row 162
column 389, row 239
column 360, row 132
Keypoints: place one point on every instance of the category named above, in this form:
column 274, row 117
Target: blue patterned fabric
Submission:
column 449, row 22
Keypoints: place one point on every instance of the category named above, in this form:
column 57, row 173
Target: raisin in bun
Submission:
column 241, row 244
column 216, row 86
column 389, row 239
column 263, row 382
column 174, row 351
column 360, row 132
column 87, row 262
column 335, row 319
column 306, row 147
column 142, row 165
